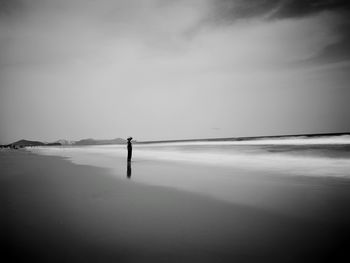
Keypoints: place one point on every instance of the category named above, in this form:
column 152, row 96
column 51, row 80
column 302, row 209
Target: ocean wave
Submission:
column 308, row 161
column 292, row 140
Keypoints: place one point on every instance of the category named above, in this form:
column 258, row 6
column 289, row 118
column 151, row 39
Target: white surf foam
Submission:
column 255, row 160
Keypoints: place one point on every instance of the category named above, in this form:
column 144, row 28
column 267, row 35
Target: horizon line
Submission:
column 238, row 138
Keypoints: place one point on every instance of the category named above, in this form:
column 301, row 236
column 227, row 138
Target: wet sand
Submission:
column 56, row 211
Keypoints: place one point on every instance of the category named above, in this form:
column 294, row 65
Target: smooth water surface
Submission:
column 299, row 177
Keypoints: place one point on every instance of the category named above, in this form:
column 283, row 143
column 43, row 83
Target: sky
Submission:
column 163, row 69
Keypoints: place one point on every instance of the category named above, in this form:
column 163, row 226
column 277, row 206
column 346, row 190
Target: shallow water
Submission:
column 305, row 157
column 59, row 212
column 306, row 180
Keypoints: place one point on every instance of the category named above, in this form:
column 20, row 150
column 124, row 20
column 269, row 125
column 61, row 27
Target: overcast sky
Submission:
column 162, row 69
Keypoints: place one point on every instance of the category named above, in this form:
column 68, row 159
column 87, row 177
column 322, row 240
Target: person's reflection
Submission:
column 128, row 170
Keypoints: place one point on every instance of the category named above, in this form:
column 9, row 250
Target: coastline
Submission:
column 58, row 211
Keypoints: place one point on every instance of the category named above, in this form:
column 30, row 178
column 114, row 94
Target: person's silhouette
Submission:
column 129, row 149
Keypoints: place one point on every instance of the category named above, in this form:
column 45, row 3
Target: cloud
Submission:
column 230, row 12
column 72, row 31
column 246, row 9
column 337, row 51
column 8, row 6
column 298, row 8
column 153, row 66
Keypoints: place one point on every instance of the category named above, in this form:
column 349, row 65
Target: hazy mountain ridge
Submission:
column 24, row 143
column 65, row 142
column 90, row 141
column 99, row 142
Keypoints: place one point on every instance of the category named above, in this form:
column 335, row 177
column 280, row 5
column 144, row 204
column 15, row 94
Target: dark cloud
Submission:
column 336, row 52
column 8, row 7
column 272, row 9
column 231, row 11
column 298, row 8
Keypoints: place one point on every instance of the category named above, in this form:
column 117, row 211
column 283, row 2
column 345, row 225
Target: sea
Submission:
column 295, row 175
column 324, row 156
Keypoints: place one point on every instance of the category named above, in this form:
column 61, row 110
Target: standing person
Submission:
column 129, row 149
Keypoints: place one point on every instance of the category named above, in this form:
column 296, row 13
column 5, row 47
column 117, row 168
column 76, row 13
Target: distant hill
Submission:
column 100, row 142
column 24, row 143
column 27, row 143
column 65, row 142
column 53, row 144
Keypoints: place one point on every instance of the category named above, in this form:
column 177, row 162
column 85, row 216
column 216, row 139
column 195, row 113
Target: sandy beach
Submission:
column 210, row 131
column 56, row 211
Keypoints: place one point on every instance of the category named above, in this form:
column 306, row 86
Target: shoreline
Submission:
column 58, row 211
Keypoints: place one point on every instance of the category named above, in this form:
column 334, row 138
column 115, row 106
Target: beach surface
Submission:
column 54, row 210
